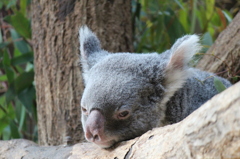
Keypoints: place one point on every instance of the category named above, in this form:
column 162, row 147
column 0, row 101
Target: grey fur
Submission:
column 157, row 89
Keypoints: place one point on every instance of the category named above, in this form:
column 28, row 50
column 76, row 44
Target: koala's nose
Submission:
column 95, row 127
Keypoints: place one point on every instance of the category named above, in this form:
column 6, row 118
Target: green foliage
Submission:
column 17, row 96
column 158, row 23
column 219, row 85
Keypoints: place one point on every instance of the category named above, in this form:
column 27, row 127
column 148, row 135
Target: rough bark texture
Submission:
column 58, row 78
column 212, row 131
column 224, row 55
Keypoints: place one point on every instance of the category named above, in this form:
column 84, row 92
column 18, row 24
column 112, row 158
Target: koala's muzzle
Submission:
column 95, row 129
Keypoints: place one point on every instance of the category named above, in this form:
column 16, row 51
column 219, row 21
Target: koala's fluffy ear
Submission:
column 177, row 70
column 182, row 52
column 90, row 49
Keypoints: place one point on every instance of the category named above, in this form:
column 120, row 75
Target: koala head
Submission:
column 125, row 93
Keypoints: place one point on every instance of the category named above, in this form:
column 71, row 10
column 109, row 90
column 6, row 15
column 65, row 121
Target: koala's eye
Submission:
column 84, row 110
column 123, row 115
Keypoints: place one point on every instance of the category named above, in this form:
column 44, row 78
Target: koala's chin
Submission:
column 106, row 144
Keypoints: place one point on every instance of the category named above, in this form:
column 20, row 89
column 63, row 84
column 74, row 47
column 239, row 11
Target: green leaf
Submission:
column 3, row 44
column 206, row 41
column 6, row 133
column 20, row 23
column 27, row 97
column 10, row 73
column 210, row 4
column 7, row 114
column 23, row 81
column 23, row 6
column 10, row 94
column 24, row 58
column 6, row 59
column 35, row 134
column 22, row 118
column 19, row 43
column 17, row 53
column 228, row 16
column 179, row 4
column 3, row 124
column 11, row 3
column 183, row 18
column 18, row 109
column 29, row 67
column 19, row 69
column 3, row 78
column 1, row 6
column 193, row 16
column 14, row 130
column 2, row 102
column 7, row 18
column 4, row 119
column 173, row 26
column 11, row 111
column 219, row 85
column 202, row 19
column 235, row 79
column 215, row 20
column 6, row 65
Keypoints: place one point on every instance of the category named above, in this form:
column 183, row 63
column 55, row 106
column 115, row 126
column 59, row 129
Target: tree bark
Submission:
column 223, row 57
column 58, row 78
column 212, row 131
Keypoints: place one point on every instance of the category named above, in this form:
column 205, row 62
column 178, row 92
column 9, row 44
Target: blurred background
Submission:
column 156, row 24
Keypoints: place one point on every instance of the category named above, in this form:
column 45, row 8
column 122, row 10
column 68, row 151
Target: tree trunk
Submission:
column 212, row 131
column 58, row 78
column 223, row 57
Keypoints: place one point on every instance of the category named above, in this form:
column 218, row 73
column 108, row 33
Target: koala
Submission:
column 127, row 94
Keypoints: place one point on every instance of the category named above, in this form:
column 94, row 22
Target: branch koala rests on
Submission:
column 128, row 94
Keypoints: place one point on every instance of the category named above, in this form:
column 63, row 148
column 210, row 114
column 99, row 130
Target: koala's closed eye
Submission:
column 84, row 110
column 123, row 114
